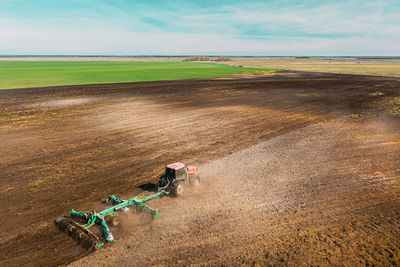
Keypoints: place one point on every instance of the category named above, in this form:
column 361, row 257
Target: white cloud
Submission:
column 37, row 41
column 327, row 19
column 287, row 32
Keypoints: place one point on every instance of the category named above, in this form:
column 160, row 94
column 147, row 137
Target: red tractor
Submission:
column 177, row 176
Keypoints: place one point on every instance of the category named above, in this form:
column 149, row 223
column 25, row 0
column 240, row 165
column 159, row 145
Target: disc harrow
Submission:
column 78, row 224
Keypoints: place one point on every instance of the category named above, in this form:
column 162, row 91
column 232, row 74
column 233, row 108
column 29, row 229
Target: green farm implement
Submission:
column 78, row 224
column 88, row 239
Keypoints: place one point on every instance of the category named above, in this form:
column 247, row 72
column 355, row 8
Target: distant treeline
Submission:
column 205, row 58
column 212, row 58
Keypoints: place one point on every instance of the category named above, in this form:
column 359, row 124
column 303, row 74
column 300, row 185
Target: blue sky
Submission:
column 252, row 27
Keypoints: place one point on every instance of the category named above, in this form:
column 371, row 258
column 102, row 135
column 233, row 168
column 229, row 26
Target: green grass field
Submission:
column 22, row 74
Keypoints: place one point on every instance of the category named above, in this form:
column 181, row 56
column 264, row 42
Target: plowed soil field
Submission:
column 297, row 168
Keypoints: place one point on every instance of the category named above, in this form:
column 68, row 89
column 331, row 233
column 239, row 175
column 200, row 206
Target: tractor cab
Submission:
column 175, row 171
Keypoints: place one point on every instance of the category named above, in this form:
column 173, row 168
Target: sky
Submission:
column 201, row 27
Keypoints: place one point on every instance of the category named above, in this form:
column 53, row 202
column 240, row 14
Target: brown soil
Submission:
column 297, row 168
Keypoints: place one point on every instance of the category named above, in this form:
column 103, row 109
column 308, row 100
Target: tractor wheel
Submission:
column 114, row 221
column 178, row 189
column 194, row 180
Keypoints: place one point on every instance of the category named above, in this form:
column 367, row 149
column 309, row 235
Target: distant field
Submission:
column 365, row 67
column 22, row 74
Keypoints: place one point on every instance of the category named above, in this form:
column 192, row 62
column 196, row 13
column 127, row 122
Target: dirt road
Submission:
column 321, row 186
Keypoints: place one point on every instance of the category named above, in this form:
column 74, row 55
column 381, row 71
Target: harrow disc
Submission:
column 78, row 235
column 71, row 229
column 95, row 245
column 86, row 242
column 83, row 236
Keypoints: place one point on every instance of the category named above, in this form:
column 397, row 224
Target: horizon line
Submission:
column 185, row 55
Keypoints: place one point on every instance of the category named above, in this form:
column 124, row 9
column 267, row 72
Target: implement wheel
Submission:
column 114, row 221
column 178, row 189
